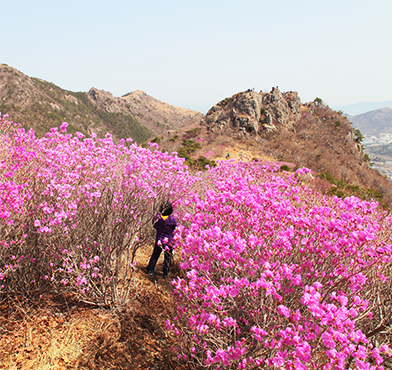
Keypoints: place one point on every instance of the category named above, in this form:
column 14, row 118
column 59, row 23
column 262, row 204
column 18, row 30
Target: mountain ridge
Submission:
column 373, row 122
column 276, row 126
column 362, row 107
column 273, row 125
column 38, row 104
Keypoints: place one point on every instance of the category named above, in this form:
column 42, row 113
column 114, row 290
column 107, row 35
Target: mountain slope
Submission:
column 40, row 105
column 363, row 107
column 276, row 126
column 376, row 127
column 272, row 126
column 373, row 123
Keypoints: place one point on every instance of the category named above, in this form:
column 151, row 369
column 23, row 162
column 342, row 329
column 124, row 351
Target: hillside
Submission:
column 276, row 126
column 258, row 254
column 376, row 127
column 40, row 105
column 272, row 126
column 375, row 122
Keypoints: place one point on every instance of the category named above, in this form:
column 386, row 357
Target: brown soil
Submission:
column 54, row 332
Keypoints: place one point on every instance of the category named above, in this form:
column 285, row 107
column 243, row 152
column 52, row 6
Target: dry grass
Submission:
column 241, row 153
column 55, row 333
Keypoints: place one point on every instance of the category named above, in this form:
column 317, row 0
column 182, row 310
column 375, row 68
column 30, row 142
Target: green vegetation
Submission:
column 224, row 102
column 200, row 163
column 174, row 138
column 156, row 140
column 318, row 102
column 284, row 167
column 189, row 147
column 182, row 152
column 192, row 133
column 122, row 125
column 81, row 113
column 358, row 135
column 343, row 190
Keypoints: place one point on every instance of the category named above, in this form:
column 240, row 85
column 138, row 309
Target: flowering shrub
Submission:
column 276, row 275
column 280, row 277
column 74, row 210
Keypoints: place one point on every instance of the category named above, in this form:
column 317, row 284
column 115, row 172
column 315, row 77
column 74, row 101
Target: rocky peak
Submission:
column 251, row 112
column 99, row 96
column 105, row 100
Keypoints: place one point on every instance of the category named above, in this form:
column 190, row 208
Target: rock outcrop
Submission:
column 277, row 125
column 105, row 100
column 250, row 112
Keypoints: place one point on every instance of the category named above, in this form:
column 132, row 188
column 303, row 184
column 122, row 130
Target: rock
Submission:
column 276, row 105
column 248, row 123
column 71, row 99
column 256, row 112
column 248, row 104
column 311, row 107
column 54, row 106
column 104, row 99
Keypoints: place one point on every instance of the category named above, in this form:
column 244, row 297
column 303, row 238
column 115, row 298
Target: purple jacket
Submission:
column 164, row 228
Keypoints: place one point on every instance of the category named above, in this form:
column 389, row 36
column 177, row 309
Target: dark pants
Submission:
column 154, row 258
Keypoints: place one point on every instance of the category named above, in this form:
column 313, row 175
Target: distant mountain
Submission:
column 359, row 108
column 374, row 123
column 38, row 104
column 376, row 127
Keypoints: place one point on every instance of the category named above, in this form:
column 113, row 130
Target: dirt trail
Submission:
column 54, row 333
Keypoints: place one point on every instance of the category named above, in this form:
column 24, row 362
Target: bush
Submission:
column 200, row 164
column 280, row 277
column 358, row 135
column 75, row 210
column 224, row 102
column 192, row 133
column 342, row 190
column 190, row 146
column 275, row 275
column 318, row 102
column 156, row 140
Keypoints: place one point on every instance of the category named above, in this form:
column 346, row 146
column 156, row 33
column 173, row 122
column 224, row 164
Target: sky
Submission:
column 193, row 54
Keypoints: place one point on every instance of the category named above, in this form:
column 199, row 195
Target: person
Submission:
column 165, row 225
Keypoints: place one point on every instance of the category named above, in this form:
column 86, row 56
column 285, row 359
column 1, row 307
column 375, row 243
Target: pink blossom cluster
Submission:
column 278, row 276
column 74, row 209
column 275, row 274
column 209, row 154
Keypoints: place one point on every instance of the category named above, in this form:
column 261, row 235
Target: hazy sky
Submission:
column 195, row 53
